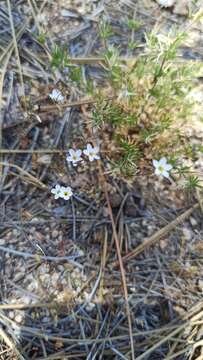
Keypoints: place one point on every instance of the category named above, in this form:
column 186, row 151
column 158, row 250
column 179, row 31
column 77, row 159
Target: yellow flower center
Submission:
column 161, row 169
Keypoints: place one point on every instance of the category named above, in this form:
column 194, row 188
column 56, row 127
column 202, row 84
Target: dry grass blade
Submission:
column 39, row 257
column 25, row 173
column 10, row 344
column 30, row 151
column 123, row 277
column 102, row 180
column 10, row 47
column 15, row 46
column 2, row 75
column 26, row 306
column 182, row 327
column 46, row 108
column 159, row 234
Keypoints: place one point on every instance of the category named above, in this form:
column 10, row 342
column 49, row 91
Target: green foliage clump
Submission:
column 145, row 115
column 60, row 58
column 150, row 104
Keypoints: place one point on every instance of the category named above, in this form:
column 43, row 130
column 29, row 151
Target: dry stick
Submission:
column 189, row 322
column 10, row 46
column 15, row 45
column 26, row 306
column 67, row 340
column 103, row 264
column 45, row 108
column 200, row 201
column 54, row 107
column 4, row 351
column 39, row 257
column 115, row 235
column 158, row 235
column 30, row 151
column 26, row 173
column 10, row 344
column 2, row 75
column 34, row 16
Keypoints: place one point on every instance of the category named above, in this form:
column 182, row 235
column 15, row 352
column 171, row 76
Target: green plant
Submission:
column 59, row 59
column 192, row 182
column 150, row 105
column 105, row 30
column 129, row 156
column 42, row 37
column 75, row 74
column 134, row 24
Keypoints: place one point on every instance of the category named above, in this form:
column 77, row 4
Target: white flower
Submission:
column 57, row 96
column 56, row 191
column 89, row 305
column 166, row 3
column 92, row 152
column 74, row 156
column 162, row 168
column 66, row 192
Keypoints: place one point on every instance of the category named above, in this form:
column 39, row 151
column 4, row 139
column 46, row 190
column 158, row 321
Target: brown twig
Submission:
column 116, row 240
column 45, row 108
column 158, row 235
column 10, row 344
column 39, row 257
column 32, row 178
column 120, row 261
column 26, row 306
column 50, row 108
column 30, row 151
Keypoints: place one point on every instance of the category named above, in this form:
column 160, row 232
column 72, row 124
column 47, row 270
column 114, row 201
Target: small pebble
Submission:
column 200, row 285
column 15, row 232
column 26, row 299
column 193, row 222
column 19, row 318
column 54, row 278
column 11, row 314
column 55, row 233
column 187, row 233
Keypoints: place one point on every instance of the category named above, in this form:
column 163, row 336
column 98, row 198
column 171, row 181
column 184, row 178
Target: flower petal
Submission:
column 71, row 152
column 155, row 163
column 158, row 172
column 168, row 167
column 86, row 152
column 78, row 152
column 165, row 174
column 163, row 161
column 57, row 196
column 91, row 158
column 89, row 147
